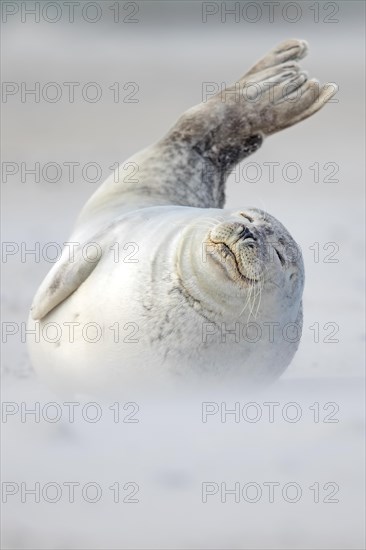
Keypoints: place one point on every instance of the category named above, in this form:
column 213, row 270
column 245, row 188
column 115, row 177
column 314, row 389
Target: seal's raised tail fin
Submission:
column 190, row 165
column 289, row 50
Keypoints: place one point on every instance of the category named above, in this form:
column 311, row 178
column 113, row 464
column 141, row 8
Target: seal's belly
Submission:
column 141, row 317
column 122, row 339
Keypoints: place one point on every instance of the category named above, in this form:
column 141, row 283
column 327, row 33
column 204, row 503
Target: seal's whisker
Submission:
column 245, row 305
column 250, row 301
column 253, row 302
column 260, row 287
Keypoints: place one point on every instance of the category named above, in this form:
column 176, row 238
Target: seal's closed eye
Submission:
column 280, row 257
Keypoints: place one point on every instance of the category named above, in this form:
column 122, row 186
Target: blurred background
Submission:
column 109, row 78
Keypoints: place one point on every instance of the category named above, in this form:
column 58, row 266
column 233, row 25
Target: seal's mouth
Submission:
column 223, row 255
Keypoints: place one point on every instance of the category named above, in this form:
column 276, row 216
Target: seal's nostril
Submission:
column 246, row 234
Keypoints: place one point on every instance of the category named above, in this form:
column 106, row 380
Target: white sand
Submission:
column 170, row 452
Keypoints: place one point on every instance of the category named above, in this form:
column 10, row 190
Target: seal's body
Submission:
column 160, row 280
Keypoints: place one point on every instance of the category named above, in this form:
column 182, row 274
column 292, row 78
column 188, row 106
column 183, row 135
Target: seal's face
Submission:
column 254, row 249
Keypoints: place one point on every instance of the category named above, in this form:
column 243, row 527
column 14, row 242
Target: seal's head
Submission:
column 248, row 255
column 253, row 247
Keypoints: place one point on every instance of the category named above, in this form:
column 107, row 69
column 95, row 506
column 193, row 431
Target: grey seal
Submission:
column 199, row 291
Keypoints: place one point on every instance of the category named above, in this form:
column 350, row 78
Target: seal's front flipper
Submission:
column 72, row 269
